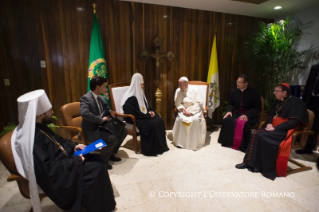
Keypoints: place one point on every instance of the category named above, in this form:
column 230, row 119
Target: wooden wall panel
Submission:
column 59, row 32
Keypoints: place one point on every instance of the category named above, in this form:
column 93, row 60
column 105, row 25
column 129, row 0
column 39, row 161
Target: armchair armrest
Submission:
column 261, row 124
column 14, row 177
column 76, row 130
column 132, row 117
column 126, row 115
column 205, row 111
column 73, row 129
column 296, row 133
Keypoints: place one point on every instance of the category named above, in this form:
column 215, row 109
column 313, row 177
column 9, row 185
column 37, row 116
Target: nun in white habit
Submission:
column 189, row 129
column 150, row 125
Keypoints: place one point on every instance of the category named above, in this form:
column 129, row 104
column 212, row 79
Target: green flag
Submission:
column 97, row 64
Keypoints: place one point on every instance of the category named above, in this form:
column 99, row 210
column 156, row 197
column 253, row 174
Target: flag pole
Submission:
column 97, row 63
column 213, row 80
column 94, row 5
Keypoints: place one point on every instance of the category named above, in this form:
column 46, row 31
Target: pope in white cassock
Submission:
column 189, row 130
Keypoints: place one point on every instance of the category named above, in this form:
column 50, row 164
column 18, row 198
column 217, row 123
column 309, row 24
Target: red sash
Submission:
column 284, row 148
column 238, row 134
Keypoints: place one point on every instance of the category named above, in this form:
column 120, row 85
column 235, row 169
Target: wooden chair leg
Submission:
column 302, row 167
column 135, row 143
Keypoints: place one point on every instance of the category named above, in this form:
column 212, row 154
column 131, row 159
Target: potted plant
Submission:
column 12, row 126
column 272, row 53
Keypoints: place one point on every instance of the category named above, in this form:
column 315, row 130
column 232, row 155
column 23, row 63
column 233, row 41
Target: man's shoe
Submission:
column 108, row 166
column 241, row 166
column 304, row 151
column 115, row 159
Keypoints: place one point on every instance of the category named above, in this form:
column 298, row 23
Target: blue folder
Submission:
column 90, row 148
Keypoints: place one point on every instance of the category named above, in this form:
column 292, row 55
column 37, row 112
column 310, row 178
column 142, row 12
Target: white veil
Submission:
column 136, row 90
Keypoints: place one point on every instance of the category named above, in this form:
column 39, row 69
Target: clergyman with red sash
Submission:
column 244, row 104
column 269, row 148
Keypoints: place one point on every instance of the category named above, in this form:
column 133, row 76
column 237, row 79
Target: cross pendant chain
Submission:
column 54, row 141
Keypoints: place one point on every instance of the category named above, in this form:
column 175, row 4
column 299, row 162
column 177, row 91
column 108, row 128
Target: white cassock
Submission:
column 189, row 132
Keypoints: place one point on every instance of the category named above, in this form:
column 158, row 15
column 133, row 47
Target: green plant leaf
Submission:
column 272, row 53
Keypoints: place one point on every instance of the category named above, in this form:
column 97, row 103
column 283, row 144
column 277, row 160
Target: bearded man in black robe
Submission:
column 150, row 125
column 69, row 181
column 269, row 149
column 47, row 161
column 244, row 104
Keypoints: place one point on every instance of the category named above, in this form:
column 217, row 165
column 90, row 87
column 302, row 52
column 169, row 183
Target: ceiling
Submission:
column 262, row 10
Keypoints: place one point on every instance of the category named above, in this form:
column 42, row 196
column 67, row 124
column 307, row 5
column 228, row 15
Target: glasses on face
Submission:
column 277, row 91
column 239, row 81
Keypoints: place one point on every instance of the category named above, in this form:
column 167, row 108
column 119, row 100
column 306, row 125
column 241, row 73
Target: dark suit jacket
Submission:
column 310, row 84
column 91, row 115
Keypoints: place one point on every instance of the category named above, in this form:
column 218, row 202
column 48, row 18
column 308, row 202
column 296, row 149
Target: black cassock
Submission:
column 65, row 179
column 245, row 102
column 152, row 130
column 263, row 147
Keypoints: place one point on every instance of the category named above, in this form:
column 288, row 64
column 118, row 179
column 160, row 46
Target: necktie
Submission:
column 99, row 104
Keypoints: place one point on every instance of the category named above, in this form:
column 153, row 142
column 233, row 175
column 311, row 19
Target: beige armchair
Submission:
column 72, row 119
column 304, row 131
column 203, row 88
column 7, row 159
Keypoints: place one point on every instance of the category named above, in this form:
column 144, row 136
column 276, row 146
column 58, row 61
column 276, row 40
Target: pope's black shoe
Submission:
column 115, row 159
column 241, row 166
column 304, row 151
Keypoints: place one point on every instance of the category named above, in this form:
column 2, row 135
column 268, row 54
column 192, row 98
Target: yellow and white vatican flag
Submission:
column 213, row 81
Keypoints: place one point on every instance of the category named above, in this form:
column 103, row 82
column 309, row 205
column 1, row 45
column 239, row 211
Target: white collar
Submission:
column 243, row 89
column 94, row 94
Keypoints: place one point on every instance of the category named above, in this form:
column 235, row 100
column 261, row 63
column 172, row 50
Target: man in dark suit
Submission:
column 311, row 98
column 95, row 112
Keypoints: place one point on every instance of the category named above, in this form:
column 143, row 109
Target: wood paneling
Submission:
column 59, row 31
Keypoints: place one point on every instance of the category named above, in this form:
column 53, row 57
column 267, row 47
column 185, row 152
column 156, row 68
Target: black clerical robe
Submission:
column 152, row 130
column 65, row 179
column 266, row 150
column 247, row 103
column 311, row 98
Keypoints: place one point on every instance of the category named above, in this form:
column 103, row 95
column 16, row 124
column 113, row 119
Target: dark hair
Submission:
column 245, row 77
column 284, row 88
column 96, row 81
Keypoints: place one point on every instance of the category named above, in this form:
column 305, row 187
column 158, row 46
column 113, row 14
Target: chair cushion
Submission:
column 71, row 115
column 118, row 94
column 202, row 90
column 130, row 127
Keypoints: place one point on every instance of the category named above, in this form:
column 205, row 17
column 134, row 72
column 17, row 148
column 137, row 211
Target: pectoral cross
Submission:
column 158, row 56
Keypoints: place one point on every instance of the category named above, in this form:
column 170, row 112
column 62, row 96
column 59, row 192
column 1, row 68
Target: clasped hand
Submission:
column 242, row 117
column 151, row 113
column 228, row 114
column 269, row 127
column 107, row 118
column 78, row 147
column 186, row 113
